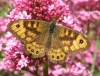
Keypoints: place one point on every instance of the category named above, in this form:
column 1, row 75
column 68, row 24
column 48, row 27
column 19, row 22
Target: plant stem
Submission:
column 94, row 60
column 36, row 72
column 94, row 57
column 45, row 68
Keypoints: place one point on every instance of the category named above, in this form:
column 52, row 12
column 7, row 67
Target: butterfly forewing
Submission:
column 27, row 30
column 71, row 40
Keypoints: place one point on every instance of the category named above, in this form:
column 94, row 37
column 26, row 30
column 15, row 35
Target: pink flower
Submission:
column 87, row 11
column 23, row 62
column 28, row 74
column 2, row 66
column 3, row 26
column 98, row 59
column 76, row 69
column 15, row 15
column 43, row 10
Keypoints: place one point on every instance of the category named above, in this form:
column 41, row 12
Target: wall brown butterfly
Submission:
column 40, row 38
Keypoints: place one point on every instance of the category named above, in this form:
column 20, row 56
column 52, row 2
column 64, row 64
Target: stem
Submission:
column 94, row 60
column 45, row 68
column 94, row 57
column 73, row 57
column 36, row 72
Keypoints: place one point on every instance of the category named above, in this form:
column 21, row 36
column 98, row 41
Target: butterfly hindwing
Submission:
column 37, row 47
column 72, row 41
column 55, row 52
column 27, row 30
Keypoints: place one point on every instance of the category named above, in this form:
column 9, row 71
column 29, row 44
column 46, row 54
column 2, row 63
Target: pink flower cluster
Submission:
column 87, row 11
column 3, row 25
column 71, row 13
column 75, row 69
column 43, row 10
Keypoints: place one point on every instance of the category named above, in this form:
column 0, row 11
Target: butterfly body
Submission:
column 50, row 31
column 52, row 26
column 40, row 38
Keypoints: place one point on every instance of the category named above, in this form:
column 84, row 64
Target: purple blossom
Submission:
column 43, row 10
column 3, row 26
column 75, row 69
column 87, row 11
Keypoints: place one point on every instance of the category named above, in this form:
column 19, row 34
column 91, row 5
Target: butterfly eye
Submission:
column 57, row 57
column 61, row 55
column 29, row 47
column 81, row 41
column 42, row 51
column 17, row 25
column 52, row 56
column 32, row 50
column 37, row 52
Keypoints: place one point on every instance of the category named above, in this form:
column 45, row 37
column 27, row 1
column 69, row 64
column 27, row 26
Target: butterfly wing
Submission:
column 72, row 41
column 27, row 30
column 32, row 33
column 36, row 48
column 55, row 52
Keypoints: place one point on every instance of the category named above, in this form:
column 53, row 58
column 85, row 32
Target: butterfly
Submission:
column 43, row 38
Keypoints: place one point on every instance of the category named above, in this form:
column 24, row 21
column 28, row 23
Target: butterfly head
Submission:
column 52, row 26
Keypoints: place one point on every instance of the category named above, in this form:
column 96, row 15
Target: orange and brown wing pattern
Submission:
column 27, row 30
column 37, row 48
column 40, row 37
column 72, row 41
column 55, row 52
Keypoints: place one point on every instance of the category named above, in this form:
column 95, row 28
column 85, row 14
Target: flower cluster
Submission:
column 87, row 11
column 75, row 69
column 71, row 13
